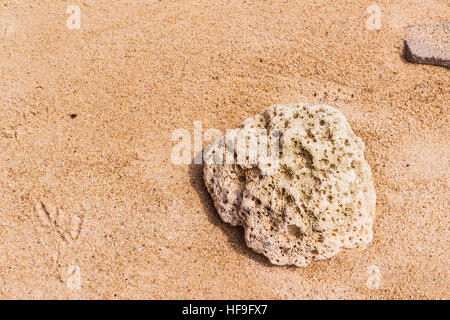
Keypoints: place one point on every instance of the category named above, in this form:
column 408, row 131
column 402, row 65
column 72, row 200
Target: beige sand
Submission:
column 92, row 207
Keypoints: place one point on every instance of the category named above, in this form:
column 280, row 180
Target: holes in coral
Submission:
column 294, row 230
column 290, row 198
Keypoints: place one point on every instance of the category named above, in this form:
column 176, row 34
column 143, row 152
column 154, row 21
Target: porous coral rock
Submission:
column 319, row 197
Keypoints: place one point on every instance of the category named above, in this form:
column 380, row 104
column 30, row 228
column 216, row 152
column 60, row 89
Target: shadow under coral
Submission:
column 235, row 234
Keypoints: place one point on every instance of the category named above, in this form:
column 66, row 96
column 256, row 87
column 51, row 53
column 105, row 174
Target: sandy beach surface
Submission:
column 91, row 205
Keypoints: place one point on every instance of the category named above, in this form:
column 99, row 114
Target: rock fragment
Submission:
column 428, row 44
column 319, row 198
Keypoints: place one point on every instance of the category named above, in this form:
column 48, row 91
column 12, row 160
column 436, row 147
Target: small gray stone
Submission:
column 428, row 44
